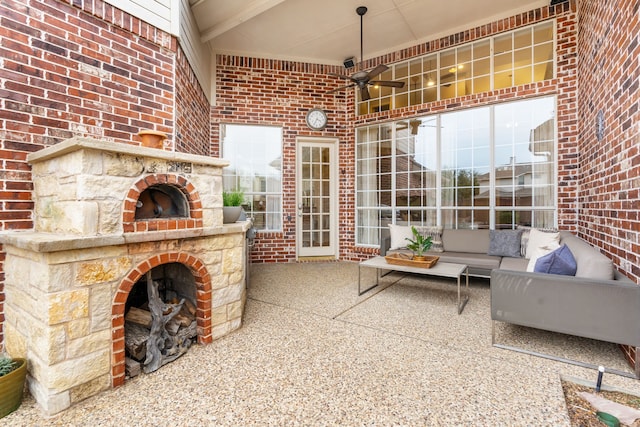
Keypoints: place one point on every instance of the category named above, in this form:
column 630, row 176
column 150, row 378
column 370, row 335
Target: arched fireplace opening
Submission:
column 162, row 201
column 160, row 318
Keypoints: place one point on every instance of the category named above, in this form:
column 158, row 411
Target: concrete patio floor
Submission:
column 313, row 352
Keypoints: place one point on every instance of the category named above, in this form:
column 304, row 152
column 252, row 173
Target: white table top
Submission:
column 444, row 269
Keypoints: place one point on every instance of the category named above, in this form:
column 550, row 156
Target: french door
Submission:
column 316, row 197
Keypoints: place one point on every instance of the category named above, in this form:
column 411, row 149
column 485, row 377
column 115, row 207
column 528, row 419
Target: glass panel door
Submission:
column 316, row 198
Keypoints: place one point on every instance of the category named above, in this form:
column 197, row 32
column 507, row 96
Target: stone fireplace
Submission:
column 110, row 217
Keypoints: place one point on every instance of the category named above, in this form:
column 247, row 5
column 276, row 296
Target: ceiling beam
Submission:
column 253, row 9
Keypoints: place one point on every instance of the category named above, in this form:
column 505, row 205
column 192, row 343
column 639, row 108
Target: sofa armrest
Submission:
column 605, row 310
column 385, row 243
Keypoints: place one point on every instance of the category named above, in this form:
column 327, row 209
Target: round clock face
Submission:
column 316, row 119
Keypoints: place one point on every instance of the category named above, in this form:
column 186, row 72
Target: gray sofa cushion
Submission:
column 504, row 243
column 474, row 241
column 591, row 263
column 515, row 264
column 471, row 259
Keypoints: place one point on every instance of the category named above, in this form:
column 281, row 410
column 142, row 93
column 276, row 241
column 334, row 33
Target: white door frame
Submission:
column 333, row 249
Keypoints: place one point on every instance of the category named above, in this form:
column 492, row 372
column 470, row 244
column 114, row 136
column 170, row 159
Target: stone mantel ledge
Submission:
column 54, row 242
column 79, row 143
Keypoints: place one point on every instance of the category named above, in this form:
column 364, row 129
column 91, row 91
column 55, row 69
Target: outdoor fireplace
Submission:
column 160, row 321
column 122, row 235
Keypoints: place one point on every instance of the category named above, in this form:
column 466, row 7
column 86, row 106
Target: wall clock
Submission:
column 316, row 119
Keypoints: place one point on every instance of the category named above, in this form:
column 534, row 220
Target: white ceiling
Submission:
column 328, row 31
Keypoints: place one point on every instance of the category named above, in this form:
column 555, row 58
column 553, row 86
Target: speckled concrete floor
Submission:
column 312, row 352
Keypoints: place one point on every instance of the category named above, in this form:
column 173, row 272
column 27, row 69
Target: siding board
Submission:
column 155, row 12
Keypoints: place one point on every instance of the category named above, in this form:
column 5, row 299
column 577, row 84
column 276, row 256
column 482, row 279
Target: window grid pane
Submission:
column 487, row 167
column 258, row 175
column 519, row 57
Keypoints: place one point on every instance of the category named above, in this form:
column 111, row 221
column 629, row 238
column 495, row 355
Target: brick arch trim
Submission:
column 203, row 304
column 130, row 225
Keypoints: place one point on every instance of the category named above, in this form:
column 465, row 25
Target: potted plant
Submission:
column 12, row 376
column 418, row 245
column 231, row 205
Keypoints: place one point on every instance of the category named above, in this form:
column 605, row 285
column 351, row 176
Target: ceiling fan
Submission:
column 362, row 79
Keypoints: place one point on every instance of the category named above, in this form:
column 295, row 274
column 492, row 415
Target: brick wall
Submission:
column 609, row 80
column 257, row 91
column 608, row 77
column 192, row 111
column 84, row 68
column 279, row 93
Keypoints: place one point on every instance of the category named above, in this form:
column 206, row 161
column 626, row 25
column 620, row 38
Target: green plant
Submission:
column 232, row 198
column 7, row 365
column 419, row 244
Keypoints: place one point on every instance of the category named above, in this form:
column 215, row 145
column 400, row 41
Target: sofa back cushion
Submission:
column 471, row 241
column 590, row 262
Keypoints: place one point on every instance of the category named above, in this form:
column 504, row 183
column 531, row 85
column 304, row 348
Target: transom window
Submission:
column 510, row 59
column 487, row 167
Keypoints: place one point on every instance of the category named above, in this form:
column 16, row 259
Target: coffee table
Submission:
column 441, row 269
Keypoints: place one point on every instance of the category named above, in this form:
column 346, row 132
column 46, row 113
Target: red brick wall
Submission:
column 84, row 68
column 193, row 111
column 271, row 92
column 256, row 91
column 609, row 80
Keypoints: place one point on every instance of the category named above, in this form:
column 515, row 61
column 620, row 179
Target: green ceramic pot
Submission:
column 12, row 388
column 608, row 419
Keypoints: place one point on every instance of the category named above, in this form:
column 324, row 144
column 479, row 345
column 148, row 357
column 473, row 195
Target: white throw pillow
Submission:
column 540, row 252
column 539, row 239
column 399, row 234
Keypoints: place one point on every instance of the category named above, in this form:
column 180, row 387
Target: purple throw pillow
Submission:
column 560, row 261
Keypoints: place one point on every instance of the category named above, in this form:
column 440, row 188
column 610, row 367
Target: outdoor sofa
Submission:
column 596, row 302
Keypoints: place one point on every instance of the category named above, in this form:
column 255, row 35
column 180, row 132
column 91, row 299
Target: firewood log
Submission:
column 135, row 340
column 139, row 316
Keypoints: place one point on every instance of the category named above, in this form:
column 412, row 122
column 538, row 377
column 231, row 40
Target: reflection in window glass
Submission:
column 519, row 57
column 488, row 167
column 465, row 166
column 255, row 156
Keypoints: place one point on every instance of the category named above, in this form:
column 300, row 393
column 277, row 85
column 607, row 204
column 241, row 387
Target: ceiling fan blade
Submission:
column 364, row 93
column 387, row 83
column 339, row 89
column 379, row 69
column 340, row 76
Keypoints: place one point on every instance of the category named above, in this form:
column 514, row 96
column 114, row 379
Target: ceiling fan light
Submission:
column 430, row 83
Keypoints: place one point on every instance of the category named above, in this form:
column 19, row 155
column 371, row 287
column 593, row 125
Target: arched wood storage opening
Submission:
column 202, row 281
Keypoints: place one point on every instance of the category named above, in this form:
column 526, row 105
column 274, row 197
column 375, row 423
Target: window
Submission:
column 465, row 165
column 487, row 167
column 515, row 58
column 255, row 156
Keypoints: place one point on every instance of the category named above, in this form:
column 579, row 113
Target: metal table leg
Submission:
column 462, row 304
column 371, row 287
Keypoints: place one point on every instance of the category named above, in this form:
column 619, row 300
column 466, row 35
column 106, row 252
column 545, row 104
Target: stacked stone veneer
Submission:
column 68, row 280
